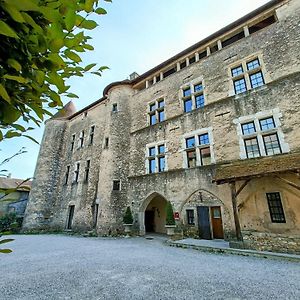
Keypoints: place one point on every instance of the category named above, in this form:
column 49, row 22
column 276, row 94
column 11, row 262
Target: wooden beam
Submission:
column 242, row 187
column 296, row 186
column 235, row 211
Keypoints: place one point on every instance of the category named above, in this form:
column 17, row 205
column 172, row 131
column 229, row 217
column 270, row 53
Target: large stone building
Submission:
column 214, row 130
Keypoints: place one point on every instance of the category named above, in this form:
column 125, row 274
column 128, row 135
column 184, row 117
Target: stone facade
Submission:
column 115, row 135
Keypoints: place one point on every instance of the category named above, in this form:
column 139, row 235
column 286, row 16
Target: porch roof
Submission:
column 256, row 167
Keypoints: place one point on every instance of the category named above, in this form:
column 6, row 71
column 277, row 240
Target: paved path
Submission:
column 64, row 267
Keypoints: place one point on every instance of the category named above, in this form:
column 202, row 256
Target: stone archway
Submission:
column 152, row 214
column 204, row 215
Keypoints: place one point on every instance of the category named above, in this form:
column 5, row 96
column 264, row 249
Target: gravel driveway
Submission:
column 65, row 267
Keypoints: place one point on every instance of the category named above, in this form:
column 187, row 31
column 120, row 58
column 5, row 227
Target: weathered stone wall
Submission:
column 272, row 242
column 128, row 131
column 43, row 195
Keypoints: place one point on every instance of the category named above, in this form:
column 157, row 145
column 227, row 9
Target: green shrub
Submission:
column 10, row 222
column 170, row 214
column 128, row 219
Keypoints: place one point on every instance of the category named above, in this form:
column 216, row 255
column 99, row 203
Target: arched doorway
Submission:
column 203, row 213
column 153, row 214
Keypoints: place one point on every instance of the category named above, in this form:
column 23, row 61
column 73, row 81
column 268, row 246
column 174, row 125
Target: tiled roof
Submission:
column 12, row 183
column 257, row 167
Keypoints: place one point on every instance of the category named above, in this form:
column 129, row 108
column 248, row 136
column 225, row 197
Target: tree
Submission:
column 41, row 42
column 127, row 218
column 170, row 220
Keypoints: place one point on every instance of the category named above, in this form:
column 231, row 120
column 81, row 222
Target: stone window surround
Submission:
column 156, row 110
column 195, row 134
column 191, row 85
column 276, row 114
column 92, row 133
column 156, row 144
column 81, row 139
column 75, row 170
column 244, row 62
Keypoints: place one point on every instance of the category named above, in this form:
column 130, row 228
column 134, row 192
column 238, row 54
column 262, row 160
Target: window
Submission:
column 247, row 75
column 193, row 97
column 72, row 142
column 198, row 150
column 81, row 139
column 156, row 111
column 155, row 160
column 190, row 216
column 115, row 107
column 76, row 172
column 106, row 143
column 260, row 137
column 92, row 132
column 116, row 185
column 275, row 208
column 67, row 174
column 87, row 170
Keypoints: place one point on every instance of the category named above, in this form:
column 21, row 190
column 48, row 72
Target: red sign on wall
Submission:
column 176, row 215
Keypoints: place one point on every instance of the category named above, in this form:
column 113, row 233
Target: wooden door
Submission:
column 216, row 220
column 70, row 218
column 203, row 222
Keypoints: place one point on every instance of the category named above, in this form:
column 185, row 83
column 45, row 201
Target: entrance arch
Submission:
column 152, row 214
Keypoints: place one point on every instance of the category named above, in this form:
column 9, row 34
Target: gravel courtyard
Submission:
column 65, row 267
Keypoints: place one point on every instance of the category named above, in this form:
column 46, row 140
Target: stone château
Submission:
column 214, row 130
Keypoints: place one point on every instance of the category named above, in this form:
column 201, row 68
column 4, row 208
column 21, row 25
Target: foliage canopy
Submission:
column 169, row 214
column 41, row 42
column 128, row 219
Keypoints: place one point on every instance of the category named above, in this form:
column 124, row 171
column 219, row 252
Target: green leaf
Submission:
column 6, row 30
column 3, row 93
column 100, row 11
column 71, row 95
column 9, row 134
column 23, row 5
column 97, row 73
column 89, row 47
column 108, row 1
column 88, row 24
column 14, row 64
column 88, row 5
column 73, row 56
column 16, row 78
column 1, row 135
column 56, row 44
column 70, row 19
column 6, row 241
column 31, row 138
column 88, row 67
column 18, row 127
column 103, row 68
column 14, row 13
column 5, row 251
column 32, row 23
column 40, row 77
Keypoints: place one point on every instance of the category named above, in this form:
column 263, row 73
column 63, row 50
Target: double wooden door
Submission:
column 210, row 222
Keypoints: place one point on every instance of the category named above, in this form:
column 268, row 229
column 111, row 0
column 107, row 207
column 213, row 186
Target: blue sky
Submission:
column 135, row 36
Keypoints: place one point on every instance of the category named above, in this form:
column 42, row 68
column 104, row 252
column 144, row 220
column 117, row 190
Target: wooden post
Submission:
column 235, row 212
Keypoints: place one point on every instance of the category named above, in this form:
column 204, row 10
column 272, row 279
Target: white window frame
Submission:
column 156, row 110
column 246, row 73
column 156, row 145
column 276, row 114
column 196, row 134
column 191, row 85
